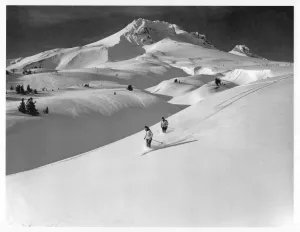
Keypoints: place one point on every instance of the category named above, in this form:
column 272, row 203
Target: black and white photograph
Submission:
column 149, row 116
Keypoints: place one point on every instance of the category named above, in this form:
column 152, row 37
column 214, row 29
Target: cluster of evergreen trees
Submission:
column 30, row 108
column 20, row 90
column 26, row 72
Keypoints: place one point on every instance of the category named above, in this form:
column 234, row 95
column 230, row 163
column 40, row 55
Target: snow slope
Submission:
column 79, row 120
column 84, row 164
column 217, row 168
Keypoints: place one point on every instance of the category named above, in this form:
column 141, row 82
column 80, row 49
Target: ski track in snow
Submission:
column 164, row 141
column 246, row 93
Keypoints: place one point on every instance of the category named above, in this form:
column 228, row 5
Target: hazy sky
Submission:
column 267, row 31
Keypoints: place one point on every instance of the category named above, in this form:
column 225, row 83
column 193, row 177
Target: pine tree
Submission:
column 30, row 107
column 18, row 89
column 22, row 107
column 29, row 90
column 129, row 87
column 22, row 91
column 46, row 111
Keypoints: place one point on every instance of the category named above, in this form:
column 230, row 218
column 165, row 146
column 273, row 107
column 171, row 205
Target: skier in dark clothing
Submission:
column 148, row 136
column 218, row 81
column 164, row 125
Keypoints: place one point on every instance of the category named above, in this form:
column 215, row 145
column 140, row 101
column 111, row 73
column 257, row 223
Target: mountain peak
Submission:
column 145, row 32
column 243, row 50
column 143, row 21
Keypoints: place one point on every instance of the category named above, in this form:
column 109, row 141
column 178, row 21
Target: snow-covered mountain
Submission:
column 127, row 43
column 146, row 32
column 85, row 163
column 242, row 50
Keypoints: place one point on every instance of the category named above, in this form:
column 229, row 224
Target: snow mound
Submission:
column 170, row 88
column 246, row 76
column 208, row 70
column 179, row 86
column 196, row 95
column 190, row 90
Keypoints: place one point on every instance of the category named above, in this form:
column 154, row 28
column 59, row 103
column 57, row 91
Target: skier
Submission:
column 218, row 81
column 164, row 125
column 148, row 136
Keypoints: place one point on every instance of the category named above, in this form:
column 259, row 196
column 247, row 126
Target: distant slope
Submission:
column 194, row 88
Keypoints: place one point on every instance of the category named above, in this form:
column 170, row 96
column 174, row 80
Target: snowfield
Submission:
column 226, row 159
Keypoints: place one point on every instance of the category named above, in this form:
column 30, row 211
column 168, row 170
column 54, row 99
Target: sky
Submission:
column 267, row 31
